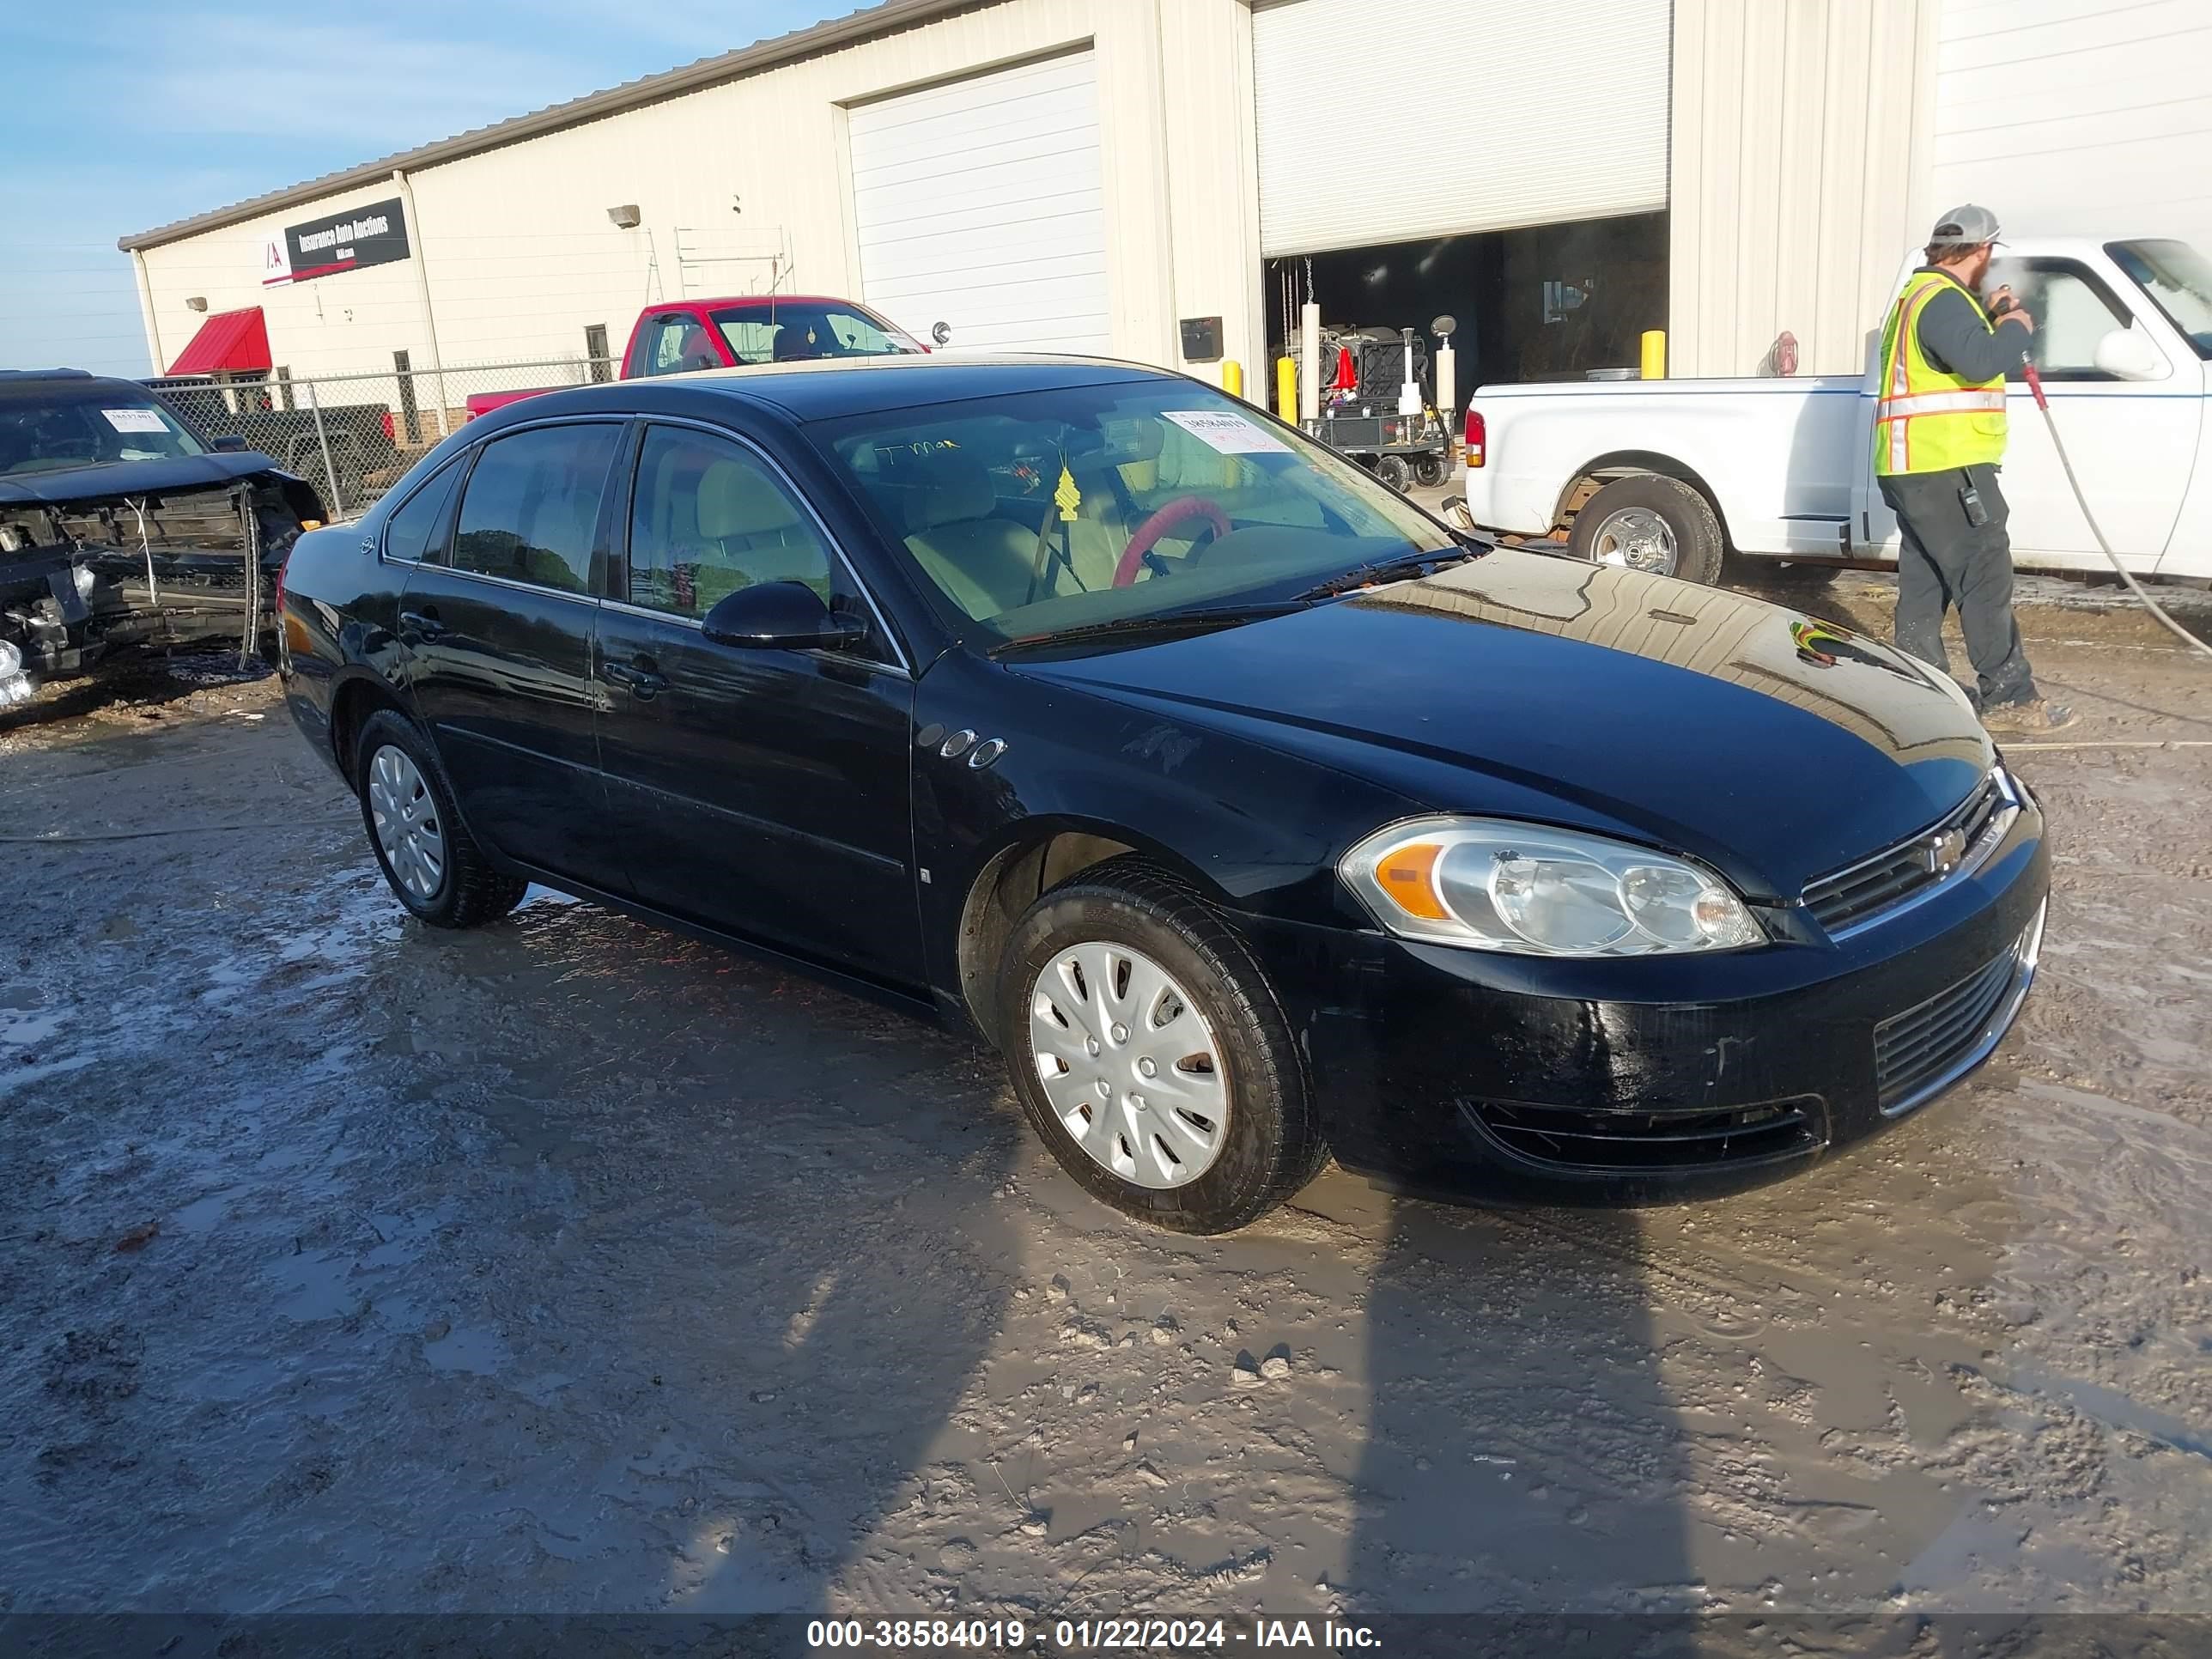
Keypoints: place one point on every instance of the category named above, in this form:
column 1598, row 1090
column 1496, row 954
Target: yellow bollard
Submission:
column 1655, row 354
column 1232, row 378
column 1286, row 388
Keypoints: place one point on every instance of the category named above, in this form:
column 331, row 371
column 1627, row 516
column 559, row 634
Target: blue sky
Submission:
column 127, row 114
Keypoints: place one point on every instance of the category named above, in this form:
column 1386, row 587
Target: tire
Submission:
column 1429, row 471
column 1392, row 471
column 1620, row 514
column 393, row 765
column 1265, row 1139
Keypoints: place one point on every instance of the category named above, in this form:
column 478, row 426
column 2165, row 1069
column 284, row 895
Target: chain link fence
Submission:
column 353, row 436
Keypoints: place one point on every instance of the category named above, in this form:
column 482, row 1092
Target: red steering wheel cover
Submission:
column 1149, row 532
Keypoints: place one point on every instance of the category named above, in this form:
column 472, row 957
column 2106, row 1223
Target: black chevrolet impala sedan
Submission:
column 1251, row 813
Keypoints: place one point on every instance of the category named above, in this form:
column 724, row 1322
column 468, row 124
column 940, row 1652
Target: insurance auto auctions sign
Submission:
column 372, row 235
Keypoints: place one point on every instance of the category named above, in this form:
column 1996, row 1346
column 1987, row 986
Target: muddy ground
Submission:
column 570, row 1266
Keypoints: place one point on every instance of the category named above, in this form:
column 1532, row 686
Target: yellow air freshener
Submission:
column 1069, row 497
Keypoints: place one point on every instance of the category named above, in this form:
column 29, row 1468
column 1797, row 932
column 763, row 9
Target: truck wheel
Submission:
column 1391, row 469
column 1429, row 471
column 1645, row 522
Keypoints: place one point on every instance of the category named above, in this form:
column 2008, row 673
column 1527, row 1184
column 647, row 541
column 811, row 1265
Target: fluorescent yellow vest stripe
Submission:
column 1927, row 420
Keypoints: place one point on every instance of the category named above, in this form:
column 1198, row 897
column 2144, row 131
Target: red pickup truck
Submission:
column 683, row 335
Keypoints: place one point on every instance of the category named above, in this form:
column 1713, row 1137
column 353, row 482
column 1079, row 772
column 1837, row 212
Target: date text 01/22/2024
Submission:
column 1084, row 1635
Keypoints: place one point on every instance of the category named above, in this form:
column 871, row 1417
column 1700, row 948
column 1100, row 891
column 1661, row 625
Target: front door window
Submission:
column 708, row 519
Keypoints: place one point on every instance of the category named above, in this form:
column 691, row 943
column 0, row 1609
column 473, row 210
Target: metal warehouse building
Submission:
column 1088, row 175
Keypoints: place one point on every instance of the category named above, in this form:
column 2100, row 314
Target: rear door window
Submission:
column 530, row 512
column 410, row 533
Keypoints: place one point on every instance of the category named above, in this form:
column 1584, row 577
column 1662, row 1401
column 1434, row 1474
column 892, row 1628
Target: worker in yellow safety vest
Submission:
column 1939, row 439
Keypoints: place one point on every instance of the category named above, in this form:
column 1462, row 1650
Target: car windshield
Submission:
column 1044, row 512
column 2179, row 280
column 54, row 435
column 795, row 330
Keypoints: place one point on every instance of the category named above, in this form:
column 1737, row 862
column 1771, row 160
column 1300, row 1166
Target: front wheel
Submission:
column 1392, row 471
column 434, row 866
column 1658, row 526
column 1150, row 1054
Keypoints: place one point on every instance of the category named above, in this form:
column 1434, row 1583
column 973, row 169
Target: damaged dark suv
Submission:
column 120, row 524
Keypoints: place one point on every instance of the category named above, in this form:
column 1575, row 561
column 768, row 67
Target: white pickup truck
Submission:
column 1668, row 475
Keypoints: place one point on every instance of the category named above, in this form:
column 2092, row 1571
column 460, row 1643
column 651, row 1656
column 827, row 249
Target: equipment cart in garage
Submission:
column 1402, row 450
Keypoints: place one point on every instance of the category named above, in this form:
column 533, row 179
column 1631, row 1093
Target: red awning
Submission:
column 228, row 343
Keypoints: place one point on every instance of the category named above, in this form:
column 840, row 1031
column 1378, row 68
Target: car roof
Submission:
column 828, row 389
column 762, row 300
column 72, row 384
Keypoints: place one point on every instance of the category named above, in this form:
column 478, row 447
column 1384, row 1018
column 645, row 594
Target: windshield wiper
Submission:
column 1201, row 620
column 1406, row 564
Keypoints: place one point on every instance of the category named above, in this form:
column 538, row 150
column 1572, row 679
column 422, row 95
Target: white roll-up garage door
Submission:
column 979, row 205
column 1385, row 120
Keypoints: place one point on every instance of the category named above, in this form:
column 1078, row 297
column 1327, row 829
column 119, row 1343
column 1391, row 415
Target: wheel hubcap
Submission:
column 406, row 817
column 1131, row 1070
column 1637, row 537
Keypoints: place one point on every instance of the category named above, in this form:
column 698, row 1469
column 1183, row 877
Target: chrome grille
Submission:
column 1918, row 1047
column 1859, row 892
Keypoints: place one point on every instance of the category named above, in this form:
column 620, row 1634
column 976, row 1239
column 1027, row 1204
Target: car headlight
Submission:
column 1525, row 887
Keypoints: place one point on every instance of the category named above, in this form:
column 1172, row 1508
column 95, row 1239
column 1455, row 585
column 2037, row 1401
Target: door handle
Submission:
column 423, row 624
column 642, row 682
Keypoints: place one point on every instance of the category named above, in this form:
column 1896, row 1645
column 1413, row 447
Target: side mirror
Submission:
column 229, row 444
column 2127, row 354
column 941, row 332
column 781, row 617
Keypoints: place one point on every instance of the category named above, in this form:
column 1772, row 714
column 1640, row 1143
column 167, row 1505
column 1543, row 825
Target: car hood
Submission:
column 121, row 479
column 1772, row 745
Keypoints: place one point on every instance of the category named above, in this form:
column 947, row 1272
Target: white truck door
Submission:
column 2133, row 442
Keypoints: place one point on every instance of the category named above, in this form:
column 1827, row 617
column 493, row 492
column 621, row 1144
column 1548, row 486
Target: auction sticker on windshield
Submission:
column 134, row 420
column 1231, row 434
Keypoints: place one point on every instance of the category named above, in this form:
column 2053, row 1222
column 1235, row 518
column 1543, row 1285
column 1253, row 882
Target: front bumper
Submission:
column 1652, row 1078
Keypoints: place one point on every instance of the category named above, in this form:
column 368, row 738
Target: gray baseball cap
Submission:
column 1966, row 227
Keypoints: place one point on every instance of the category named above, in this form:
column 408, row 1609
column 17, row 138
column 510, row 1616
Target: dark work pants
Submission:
column 1947, row 560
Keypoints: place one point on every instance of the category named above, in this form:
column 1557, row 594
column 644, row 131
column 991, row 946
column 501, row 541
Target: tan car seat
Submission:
column 984, row 563
column 758, row 534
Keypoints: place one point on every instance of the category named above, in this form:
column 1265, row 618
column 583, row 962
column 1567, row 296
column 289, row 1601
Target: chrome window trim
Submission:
column 1978, row 853
column 776, row 469
column 469, row 455
column 466, row 457
column 507, row 581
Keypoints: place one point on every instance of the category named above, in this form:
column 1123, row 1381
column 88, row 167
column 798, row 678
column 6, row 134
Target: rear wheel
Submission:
column 1429, row 471
column 1658, row 526
column 1392, row 471
column 426, row 852
column 1150, row 1054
